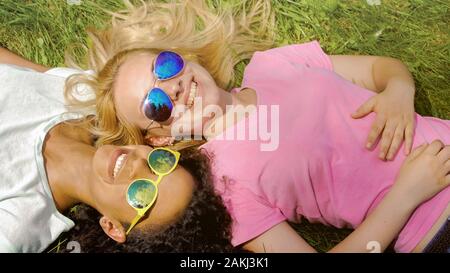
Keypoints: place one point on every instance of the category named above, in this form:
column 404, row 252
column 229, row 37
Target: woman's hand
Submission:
column 424, row 173
column 394, row 121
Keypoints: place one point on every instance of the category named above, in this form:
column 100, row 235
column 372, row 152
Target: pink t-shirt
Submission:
column 321, row 169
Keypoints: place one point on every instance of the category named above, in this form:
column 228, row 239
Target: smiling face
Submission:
column 117, row 167
column 135, row 79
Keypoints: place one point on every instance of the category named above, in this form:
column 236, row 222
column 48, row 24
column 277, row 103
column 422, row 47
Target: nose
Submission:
column 136, row 165
column 173, row 88
column 139, row 165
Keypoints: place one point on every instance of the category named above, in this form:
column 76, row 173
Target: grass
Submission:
column 415, row 31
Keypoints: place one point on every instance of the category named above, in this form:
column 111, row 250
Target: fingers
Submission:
column 434, row 147
column 386, row 139
column 444, row 154
column 409, row 136
column 417, row 151
column 396, row 142
column 364, row 109
column 375, row 130
column 447, row 167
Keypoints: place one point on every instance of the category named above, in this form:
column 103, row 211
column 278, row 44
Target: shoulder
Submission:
column 251, row 214
column 5, row 245
column 308, row 54
column 294, row 50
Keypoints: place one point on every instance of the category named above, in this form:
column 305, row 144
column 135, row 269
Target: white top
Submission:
column 31, row 103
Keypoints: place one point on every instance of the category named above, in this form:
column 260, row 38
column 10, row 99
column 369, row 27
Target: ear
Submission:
column 159, row 141
column 114, row 231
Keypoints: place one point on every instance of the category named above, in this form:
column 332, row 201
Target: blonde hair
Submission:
column 216, row 38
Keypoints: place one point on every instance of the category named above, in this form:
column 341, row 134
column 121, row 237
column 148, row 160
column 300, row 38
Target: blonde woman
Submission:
column 319, row 168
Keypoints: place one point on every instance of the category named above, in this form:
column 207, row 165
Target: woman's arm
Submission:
column 380, row 228
column 394, row 103
column 374, row 72
column 423, row 174
column 281, row 238
column 7, row 57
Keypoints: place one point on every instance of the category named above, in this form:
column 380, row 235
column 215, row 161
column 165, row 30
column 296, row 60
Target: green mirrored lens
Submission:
column 141, row 194
column 161, row 161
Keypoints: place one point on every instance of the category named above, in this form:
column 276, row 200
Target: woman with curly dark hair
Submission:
column 203, row 227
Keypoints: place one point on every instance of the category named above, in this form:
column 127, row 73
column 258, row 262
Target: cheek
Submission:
column 100, row 162
column 209, row 90
column 113, row 203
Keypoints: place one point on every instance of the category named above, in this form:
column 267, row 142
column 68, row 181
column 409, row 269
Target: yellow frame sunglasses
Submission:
column 142, row 193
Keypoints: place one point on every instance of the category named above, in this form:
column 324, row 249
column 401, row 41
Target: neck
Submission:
column 68, row 158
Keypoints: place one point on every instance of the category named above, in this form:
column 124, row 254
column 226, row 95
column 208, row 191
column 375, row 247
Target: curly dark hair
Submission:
column 205, row 225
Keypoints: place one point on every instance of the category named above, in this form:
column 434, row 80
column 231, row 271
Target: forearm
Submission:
column 389, row 71
column 381, row 226
column 7, row 57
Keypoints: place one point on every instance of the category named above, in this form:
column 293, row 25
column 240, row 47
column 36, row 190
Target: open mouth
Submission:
column 117, row 161
column 119, row 164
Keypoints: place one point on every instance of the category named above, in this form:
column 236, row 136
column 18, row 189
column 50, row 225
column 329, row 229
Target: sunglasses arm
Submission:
column 134, row 222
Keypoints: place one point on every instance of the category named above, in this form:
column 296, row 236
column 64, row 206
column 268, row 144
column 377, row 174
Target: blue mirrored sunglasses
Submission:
column 157, row 105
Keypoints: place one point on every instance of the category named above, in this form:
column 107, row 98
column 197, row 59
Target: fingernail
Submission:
column 368, row 145
column 382, row 155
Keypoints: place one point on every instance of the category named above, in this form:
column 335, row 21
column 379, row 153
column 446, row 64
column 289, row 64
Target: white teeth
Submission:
column 119, row 163
column 192, row 94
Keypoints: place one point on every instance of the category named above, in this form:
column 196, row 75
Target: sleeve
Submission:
column 5, row 244
column 251, row 214
column 309, row 54
column 8, row 225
